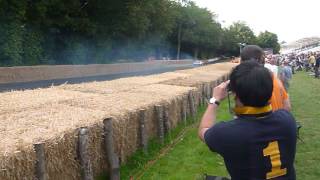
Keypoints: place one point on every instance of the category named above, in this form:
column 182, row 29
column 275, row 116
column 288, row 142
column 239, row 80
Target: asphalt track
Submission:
column 77, row 80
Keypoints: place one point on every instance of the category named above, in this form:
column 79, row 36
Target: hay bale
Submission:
column 50, row 124
column 123, row 84
column 55, row 122
column 16, row 101
column 202, row 75
column 17, row 164
column 223, row 66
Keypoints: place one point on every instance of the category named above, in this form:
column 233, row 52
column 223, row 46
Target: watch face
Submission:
column 212, row 100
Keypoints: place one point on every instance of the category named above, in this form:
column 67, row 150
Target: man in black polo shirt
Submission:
column 258, row 144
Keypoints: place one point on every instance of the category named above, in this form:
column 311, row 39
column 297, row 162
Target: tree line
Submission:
column 35, row 32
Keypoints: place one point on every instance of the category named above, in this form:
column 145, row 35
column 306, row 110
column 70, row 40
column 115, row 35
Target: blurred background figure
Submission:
column 316, row 68
column 285, row 74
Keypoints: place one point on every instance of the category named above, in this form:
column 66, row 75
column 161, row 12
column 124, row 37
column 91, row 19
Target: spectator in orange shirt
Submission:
column 279, row 98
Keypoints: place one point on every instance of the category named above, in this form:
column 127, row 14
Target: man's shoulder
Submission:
column 284, row 116
column 224, row 127
column 284, row 113
column 220, row 134
column 227, row 124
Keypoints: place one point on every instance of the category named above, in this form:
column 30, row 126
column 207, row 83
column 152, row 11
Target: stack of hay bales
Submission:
column 123, row 84
column 55, row 114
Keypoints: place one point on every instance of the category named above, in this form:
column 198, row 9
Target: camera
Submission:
column 229, row 88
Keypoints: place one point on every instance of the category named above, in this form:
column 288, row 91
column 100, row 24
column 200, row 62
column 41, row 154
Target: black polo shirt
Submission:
column 256, row 147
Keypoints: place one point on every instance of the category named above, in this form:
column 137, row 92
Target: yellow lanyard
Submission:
column 248, row 110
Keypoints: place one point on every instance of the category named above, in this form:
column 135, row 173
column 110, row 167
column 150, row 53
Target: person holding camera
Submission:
column 259, row 143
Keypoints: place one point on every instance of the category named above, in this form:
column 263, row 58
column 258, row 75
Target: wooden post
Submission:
column 200, row 95
column 205, row 88
column 184, row 110
column 40, row 162
column 159, row 111
column 143, row 134
column 113, row 159
column 204, row 94
column 166, row 119
column 208, row 93
column 86, row 167
column 196, row 95
column 192, row 105
column 213, row 84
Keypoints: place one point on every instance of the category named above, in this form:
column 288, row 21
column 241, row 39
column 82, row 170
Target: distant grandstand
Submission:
column 301, row 45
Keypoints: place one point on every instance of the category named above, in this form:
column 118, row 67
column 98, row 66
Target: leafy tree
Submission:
column 11, row 44
column 237, row 33
column 243, row 33
column 269, row 40
column 98, row 31
column 197, row 30
column 12, row 18
column 32, row 47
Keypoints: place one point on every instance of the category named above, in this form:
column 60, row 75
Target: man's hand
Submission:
column 209, row 117
column 220, row 92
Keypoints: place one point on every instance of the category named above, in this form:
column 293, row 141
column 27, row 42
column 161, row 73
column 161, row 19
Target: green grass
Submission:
column 138, row 162
column 190, row 158
column 305, row 99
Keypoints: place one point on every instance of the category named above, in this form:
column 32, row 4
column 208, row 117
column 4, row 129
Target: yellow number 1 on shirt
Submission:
column 272, row 150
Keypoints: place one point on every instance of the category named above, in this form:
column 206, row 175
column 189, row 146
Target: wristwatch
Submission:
column 214, row 101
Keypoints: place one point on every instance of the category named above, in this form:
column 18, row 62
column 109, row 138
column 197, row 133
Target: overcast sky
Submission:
column 289, row 19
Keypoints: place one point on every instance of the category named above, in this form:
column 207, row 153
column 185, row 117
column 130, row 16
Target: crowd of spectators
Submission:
column 308, row 62
column 283, row 66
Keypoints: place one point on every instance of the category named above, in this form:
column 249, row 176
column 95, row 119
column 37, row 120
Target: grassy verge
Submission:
column 189, row 158
column 140, row 162
column 305, row 99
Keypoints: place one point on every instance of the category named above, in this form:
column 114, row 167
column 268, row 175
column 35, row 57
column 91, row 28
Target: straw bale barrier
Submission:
column 123, row 84
column 53, row 116
column 55, row 124
column 11, row 102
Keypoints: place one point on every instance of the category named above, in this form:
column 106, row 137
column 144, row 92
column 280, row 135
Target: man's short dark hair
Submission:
column 252, row 52
column 252, row 84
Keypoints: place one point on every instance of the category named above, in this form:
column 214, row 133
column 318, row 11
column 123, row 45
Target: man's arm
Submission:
column 208, row 120
column 209, row 117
